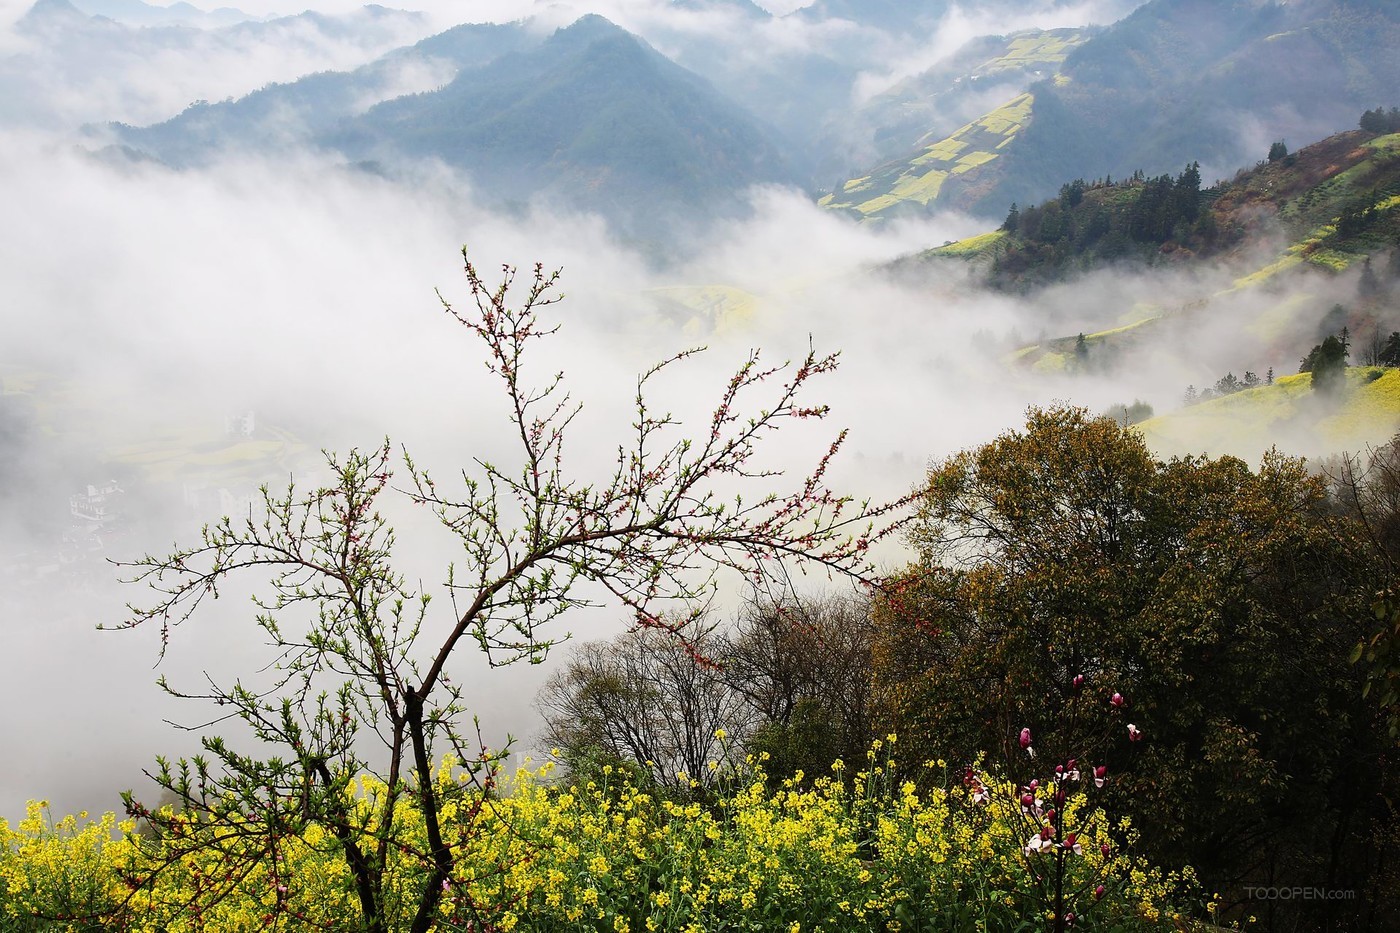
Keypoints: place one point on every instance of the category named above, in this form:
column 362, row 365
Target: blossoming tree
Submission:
column 361, row 656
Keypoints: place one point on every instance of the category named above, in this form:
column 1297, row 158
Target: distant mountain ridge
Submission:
column 591, row 118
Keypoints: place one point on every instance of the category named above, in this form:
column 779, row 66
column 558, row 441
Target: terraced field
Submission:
column 897, row 186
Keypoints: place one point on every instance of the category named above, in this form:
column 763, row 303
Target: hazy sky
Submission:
column 156, row 301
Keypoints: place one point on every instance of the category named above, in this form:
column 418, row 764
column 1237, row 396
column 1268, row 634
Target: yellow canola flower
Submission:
column 837, row 854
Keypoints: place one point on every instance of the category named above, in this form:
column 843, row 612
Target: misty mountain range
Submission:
column 593, row 117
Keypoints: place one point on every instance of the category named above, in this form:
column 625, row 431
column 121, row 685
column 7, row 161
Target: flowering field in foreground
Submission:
column 869, row 853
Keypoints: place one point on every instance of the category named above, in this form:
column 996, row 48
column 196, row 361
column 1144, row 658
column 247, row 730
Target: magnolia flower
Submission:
column 1099, row 892
column 1134, row 733
column 1030, row 805
column 1072, row 844
column 1026, row 742
column 1100, row 775
column 980, row 795
column 1042, row 841
column 1078, row 682
column 1117, row 700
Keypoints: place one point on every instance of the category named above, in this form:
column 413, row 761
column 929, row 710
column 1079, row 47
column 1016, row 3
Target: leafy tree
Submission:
column 1278, row 151
column 1381, row 121
column 1328, row 364
column 1390, row 352
column 803, row 667
column 1367, row 488
column 646, row 699
column 1135, row 413
column 1215, row 597
column 358, row 681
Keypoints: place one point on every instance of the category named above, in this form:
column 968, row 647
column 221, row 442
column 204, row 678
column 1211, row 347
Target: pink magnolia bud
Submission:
column 1059, row 770
column 1027, row 801
column 1026, row 738
column 1034, row 784
column 1099, row 893
column 1078, row 681
column 1105, row 849
column 1072, row 764
column 1117, row 700
column 1060, row 797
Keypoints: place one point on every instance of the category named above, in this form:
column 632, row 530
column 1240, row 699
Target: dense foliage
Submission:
column 1103, row 220
column 1224, row 602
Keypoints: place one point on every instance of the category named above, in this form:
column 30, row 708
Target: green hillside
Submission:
column 1288, row 413
column 1177, row 81
column 1336, row 202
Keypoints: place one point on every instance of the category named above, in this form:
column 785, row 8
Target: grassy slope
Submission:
column 1288, row 413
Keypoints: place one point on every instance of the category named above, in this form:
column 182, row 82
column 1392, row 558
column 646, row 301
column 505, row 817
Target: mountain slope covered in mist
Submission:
column 591, row 118
column 1290, row 253
column 594, row 118
column 1326, row 206
column 917, row 114
column 288, row 115
column 1176, row 81
column 64, row 68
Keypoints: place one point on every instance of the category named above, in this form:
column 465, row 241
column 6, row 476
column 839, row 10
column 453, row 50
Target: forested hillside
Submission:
column 1175, row 82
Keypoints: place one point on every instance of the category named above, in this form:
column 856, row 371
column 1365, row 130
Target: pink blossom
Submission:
column 1134, row 733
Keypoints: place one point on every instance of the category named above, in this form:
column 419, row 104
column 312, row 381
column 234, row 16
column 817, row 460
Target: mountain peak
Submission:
column 52, row 9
